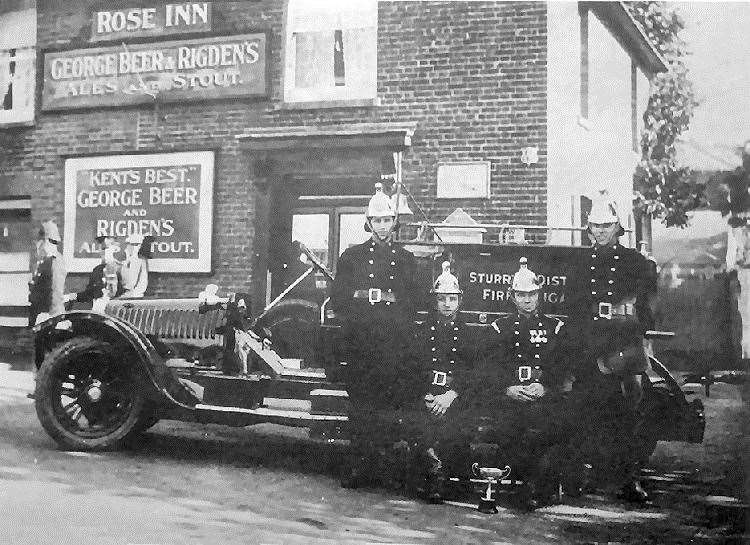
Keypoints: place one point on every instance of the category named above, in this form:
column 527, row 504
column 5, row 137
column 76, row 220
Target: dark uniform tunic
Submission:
column 45, row 288
column 446, row 356
column 520, row 351
column 373, row 295
column 620, row 282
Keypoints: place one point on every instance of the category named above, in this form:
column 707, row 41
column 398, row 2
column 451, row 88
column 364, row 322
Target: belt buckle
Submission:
column 374, row 295
column 605, row 310
column 524, row 373
column 439, row 378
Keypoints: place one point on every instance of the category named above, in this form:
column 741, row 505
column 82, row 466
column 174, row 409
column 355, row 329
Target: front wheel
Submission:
column 86, row 397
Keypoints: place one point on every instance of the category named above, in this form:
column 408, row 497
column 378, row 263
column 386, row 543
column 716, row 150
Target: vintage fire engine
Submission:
column 104, row 377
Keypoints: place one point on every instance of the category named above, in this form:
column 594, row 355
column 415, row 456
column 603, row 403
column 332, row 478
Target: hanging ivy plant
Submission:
column 664, row 189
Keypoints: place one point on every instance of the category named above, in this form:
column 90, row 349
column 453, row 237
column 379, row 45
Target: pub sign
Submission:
column 167, row 195
column 181, row 70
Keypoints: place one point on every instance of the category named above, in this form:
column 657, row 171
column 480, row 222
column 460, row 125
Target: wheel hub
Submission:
column 94, row 391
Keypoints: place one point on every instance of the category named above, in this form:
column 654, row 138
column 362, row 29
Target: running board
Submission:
column 237, row 416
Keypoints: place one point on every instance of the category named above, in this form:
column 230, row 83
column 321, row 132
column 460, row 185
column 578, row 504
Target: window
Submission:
column 17, row 66
column 584, row 36
column 331, row 50
column 328, row 231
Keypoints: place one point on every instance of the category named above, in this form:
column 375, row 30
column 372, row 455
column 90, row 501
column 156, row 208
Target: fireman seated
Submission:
column 444, row 350
column 525, row 377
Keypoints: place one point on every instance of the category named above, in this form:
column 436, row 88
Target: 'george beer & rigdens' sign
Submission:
column 194, row 69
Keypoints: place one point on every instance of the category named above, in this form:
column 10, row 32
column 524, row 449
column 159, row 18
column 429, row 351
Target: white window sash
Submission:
column 310, row 37
column 23, row 80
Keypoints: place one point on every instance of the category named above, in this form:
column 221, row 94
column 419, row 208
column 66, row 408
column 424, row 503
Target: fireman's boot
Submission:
column 434, row 478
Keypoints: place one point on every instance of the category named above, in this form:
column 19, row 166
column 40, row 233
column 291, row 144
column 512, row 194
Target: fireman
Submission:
column 527, row 373
column 621, row 283
column 374, row 296
column 47, row 283
column 445, row 350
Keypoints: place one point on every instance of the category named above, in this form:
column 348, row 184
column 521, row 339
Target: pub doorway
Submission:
column 327, row 215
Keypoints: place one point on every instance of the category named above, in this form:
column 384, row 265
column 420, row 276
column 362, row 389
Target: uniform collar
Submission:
column 535, row 316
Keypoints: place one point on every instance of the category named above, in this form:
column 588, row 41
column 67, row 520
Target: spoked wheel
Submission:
column 86, row 397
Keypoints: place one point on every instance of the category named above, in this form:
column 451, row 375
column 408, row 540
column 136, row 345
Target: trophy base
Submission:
column 488, row 507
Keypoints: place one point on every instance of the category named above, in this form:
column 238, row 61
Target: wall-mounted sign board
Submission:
column 196, row 69
column 161, row 20
column 166, row 195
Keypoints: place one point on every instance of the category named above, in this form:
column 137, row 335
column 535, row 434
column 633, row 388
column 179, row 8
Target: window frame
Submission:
column 23, row 55
column 301, row 95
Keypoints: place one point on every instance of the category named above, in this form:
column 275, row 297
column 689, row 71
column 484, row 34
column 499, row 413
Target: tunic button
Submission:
column 453, row 349
column 433, row 348
column 371, row 262
column 596, row 318
column 609, row 293
column 390, row 290
column 432, row 328
column 452, row 362
column 611, row 282
column 455, row 338
column 372, row 249
column 516, row 332
column 519, row 355
column 612, row 269
column 593, row 293
column 536, row 356
column 391, row 277
column 434, row 359
column 518, row 344
column 593, row 268
column 617, row 257
column 593, row 280
column 593, row 255
column 387, row 303
column 432, row 338
column 393, row 262
column 372, row 275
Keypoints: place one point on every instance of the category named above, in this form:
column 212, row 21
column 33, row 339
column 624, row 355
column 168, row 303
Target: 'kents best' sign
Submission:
column 168, row 196
column 197, row 69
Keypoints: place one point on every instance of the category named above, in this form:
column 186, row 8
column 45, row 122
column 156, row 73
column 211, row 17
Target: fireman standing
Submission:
column 445, row 350
column 47, row 283
column 374, row 296
column 527, row 373
column 620, row 283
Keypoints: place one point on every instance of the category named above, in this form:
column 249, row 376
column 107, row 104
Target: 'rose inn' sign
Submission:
column 193, row 69
column 167, row 195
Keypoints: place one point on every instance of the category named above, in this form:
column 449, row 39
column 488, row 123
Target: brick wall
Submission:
column 472, row 75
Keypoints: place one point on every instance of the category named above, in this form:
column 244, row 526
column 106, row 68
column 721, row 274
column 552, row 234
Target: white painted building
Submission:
column 598, row 69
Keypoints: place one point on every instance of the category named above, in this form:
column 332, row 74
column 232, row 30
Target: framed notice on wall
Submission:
column 166, row 195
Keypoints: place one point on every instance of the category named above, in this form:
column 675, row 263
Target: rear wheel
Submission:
column 295, row 327
column 86, row 397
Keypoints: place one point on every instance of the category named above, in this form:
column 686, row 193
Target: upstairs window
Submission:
column 331, row 50
column 17, row 66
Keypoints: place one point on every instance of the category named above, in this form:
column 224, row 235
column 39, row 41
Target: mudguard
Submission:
column 670, row 416
column 166, row 390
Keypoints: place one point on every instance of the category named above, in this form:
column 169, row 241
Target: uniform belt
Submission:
column 608, row 310
column 375, row 295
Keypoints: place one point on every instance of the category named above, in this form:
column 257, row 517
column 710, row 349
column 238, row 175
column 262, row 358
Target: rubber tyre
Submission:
column 83, row 358
column 295, row 328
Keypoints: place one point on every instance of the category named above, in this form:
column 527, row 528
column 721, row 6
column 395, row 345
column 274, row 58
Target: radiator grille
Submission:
column 169, row 319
